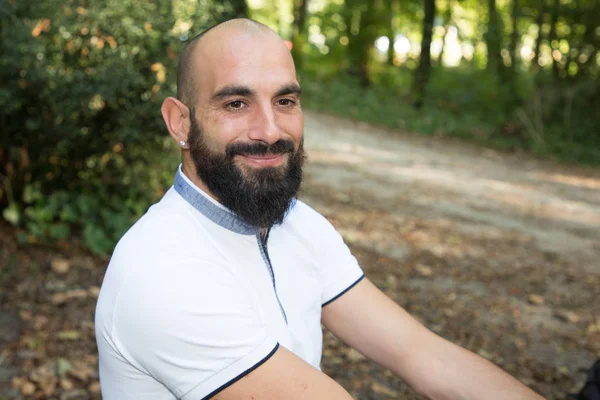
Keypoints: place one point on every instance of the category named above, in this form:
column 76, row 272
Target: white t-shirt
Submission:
column 192, row 301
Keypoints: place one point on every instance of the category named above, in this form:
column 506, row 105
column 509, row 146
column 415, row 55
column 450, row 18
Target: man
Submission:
column 219, row 291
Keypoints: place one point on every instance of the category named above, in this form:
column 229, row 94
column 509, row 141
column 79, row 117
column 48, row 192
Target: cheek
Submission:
column 223, row 131
column 295, row 127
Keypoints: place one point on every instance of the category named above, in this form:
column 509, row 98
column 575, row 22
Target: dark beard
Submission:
column 260, row 196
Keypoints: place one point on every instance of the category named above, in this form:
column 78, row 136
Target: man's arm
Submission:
column 369, row 321
column 284, row 376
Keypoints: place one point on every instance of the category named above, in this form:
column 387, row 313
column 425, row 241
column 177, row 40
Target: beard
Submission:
column 260, row 196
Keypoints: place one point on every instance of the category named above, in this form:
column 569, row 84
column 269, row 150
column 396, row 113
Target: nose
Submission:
column 264, row 125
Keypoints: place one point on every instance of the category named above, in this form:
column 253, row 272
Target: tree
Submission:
column 392, row 6
column 539, row 21
column 80, row 86
column 421, row 76
column 552, row 37
column 514, row 37
column 361, row 30
column 447, row 24
column 493, row 39
column 299, row 37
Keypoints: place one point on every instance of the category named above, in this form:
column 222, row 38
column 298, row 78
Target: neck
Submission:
column 189, row 170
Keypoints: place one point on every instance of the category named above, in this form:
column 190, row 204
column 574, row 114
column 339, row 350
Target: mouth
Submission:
column 267, row 160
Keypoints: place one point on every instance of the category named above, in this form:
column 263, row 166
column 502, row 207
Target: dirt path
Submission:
column 500, row 253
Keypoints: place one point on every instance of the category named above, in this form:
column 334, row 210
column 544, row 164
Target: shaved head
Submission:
column 187, row 67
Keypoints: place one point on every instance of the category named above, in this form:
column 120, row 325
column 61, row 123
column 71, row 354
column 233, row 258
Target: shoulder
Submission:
column 304, row 217
column 166, row 259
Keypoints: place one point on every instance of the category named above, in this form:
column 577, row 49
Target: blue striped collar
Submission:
column 209, row 208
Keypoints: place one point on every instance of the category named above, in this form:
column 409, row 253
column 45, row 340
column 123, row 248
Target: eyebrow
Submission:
column 235, row 90
column 289, row 89
column 228, row 91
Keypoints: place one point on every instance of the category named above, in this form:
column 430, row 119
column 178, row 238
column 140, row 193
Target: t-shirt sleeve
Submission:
column 195, row 336
column 339, row 269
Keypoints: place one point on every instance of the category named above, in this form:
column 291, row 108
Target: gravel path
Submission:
column 498, row 252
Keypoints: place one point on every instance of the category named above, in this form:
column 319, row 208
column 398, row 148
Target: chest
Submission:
column 286, row 287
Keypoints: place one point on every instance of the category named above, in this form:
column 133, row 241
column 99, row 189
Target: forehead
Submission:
column 258, row 60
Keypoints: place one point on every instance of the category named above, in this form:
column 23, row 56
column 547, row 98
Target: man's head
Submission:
column 238, row 111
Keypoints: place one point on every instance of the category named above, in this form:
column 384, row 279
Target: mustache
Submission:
column 259, row 149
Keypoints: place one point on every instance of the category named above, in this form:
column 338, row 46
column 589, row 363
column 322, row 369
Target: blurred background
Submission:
column 84, row 152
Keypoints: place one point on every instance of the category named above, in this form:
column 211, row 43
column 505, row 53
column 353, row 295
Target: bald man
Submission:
column 220, row 289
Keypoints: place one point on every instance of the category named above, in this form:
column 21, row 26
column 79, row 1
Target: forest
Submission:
column 453, row 143
column 82, row 81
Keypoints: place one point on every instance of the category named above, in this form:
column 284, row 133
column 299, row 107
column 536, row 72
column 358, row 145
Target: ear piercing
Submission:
column 182, row 143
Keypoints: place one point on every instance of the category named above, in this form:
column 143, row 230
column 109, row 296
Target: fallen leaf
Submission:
column 94, row 291
column 63, row 366
column 39, row 322
column 94, row 387
column 69, row 335
column 354, row 355
column 81, row 372
column 25, row 315
column 536, row 299
column 593, row 327
column 66, row 384
column 28, row 388
column 77, row 294
column 60, row 265
column 59, row 299
column 423, row 270
column 567, row 316
column 383, row 389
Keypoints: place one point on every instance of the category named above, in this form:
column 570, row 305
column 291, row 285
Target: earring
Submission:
column 182, row 143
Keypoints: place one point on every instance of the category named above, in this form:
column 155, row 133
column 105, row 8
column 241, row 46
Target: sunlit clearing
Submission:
column 453, row 50
column 401, row 45
column 526, row 52
column 382, row 44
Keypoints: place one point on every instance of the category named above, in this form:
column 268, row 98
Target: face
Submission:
column 246, row 127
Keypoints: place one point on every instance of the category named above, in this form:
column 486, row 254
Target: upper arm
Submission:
column 193, row 334
column 284, row 376
column 366, row 319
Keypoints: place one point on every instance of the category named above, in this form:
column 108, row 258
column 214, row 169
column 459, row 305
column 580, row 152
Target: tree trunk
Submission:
column 391, row 32
column 423, row 71
column 447, row 25
column 535, row 62
column 585, row 68
column 552, row 37
column 514, row 37
column 361, row 34
column 299, row 36
column 240, row 8
column 494, row 41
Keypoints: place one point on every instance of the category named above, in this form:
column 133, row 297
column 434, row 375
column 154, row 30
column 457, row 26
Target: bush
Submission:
column 83, row 144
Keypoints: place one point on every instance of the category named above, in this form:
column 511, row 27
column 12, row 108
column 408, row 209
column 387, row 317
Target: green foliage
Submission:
column 471, row 105
column 82, row 83
column 83, row 148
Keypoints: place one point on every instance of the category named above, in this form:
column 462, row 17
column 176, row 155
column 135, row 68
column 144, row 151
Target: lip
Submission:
column 268, row 160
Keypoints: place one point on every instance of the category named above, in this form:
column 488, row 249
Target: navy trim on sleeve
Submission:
column 343, row 291
column 243, row 374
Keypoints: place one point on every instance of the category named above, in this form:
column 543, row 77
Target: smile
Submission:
column 267, row 160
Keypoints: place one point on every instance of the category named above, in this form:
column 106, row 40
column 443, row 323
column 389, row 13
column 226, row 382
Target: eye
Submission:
column 235, row 105
column 286, row 102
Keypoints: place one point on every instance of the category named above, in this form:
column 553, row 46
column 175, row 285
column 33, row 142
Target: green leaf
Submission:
column 63, row 366
column 32, row 193
column 96, row 239
column 12, row 214
column 68, row 213
column 59, row 231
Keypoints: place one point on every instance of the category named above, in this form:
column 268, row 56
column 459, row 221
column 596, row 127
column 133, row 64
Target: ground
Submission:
column 499, row 253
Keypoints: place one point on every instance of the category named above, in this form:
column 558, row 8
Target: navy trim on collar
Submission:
column 216, row 214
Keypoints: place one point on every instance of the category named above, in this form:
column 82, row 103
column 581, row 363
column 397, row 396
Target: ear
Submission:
column 177, row 118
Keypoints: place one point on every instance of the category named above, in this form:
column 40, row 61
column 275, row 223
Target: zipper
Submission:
column 262, row 245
